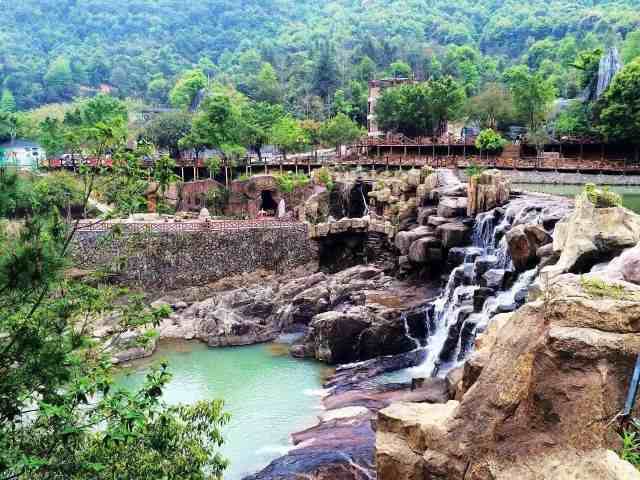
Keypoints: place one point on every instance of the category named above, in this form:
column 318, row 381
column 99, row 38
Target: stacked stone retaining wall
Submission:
column 163, row 260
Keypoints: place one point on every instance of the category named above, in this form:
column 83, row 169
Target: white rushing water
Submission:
column 457, row 316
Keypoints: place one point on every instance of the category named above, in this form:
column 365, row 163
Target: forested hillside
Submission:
column 300, row 51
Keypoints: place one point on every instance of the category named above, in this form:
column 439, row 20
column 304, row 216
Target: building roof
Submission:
column 19, row 143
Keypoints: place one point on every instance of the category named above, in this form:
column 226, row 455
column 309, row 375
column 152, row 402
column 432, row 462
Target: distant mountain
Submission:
column 52, row 50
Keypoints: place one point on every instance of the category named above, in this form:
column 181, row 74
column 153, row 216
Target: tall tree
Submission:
column 618, row 111
column 533, row 95
column 7, row 102
column 325, row 75
column 340, row 130
column 267, row 85
column 59, row 80
column 187, row 87
column 288, row 135
column 492, row 107
column 258, row 118
column 60, row 416
column 167, row 129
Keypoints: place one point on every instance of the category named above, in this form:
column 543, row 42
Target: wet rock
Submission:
column 435, row 221
column 452, row 207
column 483, row 264
column 493, row 279
column 423, row 249
column 480, row 296
column 424, row 213
column 534, row 379
column 524, row 242
column 453, row 234
column 404, row 240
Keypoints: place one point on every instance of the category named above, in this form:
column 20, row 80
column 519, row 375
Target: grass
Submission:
column 630, row 450
column 598, row 288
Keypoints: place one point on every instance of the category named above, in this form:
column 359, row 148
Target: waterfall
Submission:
column 466, row 306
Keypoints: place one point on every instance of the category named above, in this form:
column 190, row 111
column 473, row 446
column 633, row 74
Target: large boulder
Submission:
column 488, row 190
column 524, row 242
column 539, row 399
column 452, row 207
column 453, row 234
column 592, row 235
column 404, row 240
column 425, row 250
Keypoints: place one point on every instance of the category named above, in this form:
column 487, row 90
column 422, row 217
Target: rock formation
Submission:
column 353, row 315
column 539, row 397
column 488, row 190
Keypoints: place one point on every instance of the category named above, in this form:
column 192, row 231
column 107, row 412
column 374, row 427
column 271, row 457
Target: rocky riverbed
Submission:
column 522, row 346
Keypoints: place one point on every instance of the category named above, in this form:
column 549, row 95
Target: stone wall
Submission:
column 168, row 260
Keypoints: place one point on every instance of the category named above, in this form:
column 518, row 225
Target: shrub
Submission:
column 602, row 198
column 490, row 141
column 630, row 450
column 289, row 181
column 324, row 177
column 474, row 170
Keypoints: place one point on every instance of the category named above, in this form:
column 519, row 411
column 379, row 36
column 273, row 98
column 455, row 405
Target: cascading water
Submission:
column 474, row 292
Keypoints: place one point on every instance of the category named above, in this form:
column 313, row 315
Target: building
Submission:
column 21, row 154
column 376, row 87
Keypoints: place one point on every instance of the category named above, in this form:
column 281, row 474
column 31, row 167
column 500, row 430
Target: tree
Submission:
column 52, row 137
column 420, row 109
column 365, row 70
column 312, row 129
column 618, row 111
column 288, row 135
column 533, row 95
column 7, row 102
column 399, row 69
column 186, row 89
column 325, row 75
column 167, row 129
column 219, row 124
column 405, row 109
column 8, row 126
column 267, row 85
column 59, row 80
column 447, row 99
column 157, row 89
column 493, row 107
column 576, row 120
column 631, row 46
column 588, row 62
column 60, row 416
column 164, row 175
column 340, row 130
column 257, row 119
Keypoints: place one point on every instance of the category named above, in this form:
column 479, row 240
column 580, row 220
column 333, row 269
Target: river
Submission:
column 268, row 393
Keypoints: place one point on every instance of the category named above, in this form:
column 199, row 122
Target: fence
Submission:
column 201, row 226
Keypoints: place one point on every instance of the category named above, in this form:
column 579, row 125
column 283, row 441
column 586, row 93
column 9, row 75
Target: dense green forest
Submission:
column 299, row 52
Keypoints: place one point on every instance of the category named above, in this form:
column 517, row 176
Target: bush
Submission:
column 474, row 171
column 289, row 181
column 602, row 198
column 324, row 177
column 630, row 450
column 490, row 141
